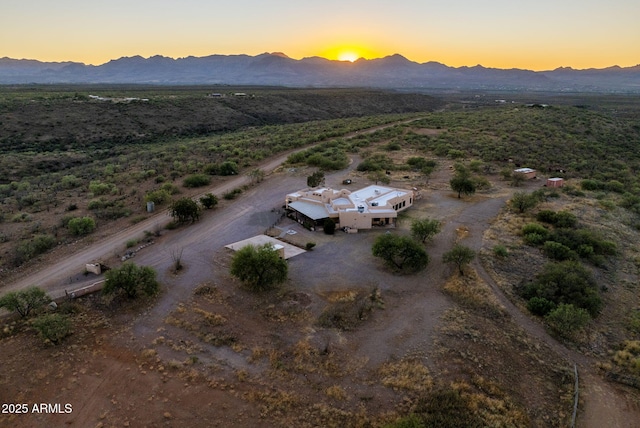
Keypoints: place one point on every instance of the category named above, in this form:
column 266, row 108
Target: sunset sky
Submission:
column 534, row 35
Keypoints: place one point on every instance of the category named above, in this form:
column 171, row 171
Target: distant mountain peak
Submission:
column 276, row 68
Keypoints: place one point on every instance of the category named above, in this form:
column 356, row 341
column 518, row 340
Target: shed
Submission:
column 555, row 182
column 527, row 172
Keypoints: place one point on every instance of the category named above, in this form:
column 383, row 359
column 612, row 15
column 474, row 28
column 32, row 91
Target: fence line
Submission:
column 576, row 396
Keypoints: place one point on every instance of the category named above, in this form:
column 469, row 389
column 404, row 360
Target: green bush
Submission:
column 209, row 200
column 566, row 319
column 232, row 194
column 196, row 180
column 228, row 168
column 329, row 226
column 98, row 188
column 28, row 249
column 522, row 201
column 500, row 251
column 591, row 185
column 259, row 268
column 557, row 251
column 401, row 253
column 24, row 301
column 375, row 162
column 562, row 219
column 535, row 234
column 53, row 327
column 131, row 280
column 158, row 197
column 540, row 306
column 565, row 282
column 80, row 226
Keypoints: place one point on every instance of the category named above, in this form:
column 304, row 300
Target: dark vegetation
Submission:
column 259, row 268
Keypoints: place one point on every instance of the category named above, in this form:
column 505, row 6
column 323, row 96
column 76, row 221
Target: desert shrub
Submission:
column 615, row 186
column 228, row 168
column 232, row 194
column 535, row 234
column 53, row 328
column 393, row 146
column 315, row 179
column 566, row 319
column 185, row 209
column 24, row 301
column 424, row 229
column 563, row 219
column 98, row 188
column 70, row 182
column 309, row 246
column 158, row 197
column 112, row 212
column 557, row 251
column 375, row 162
column 81, row 225
column 96, row 204
column 28, row 249
column 522, row 201
column 209, row 200
column 348, row 314
column 196, row 180
column 500, row 251
column 583, row 238
column 591, row 185
column 444, row 408
column 460, row 256
column 418, row 163
column 628, row 356
column 463, row 183
column 329, row 226
column 566, row 282
column 259, row 268
column 171, row 188
column 401, row 253
column 540, row 306
column 131, row 280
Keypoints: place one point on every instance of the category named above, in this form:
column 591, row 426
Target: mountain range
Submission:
column 277, row 69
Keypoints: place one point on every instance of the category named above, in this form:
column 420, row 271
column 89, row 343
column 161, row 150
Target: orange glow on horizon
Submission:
column 348, row 56
column 348, row 53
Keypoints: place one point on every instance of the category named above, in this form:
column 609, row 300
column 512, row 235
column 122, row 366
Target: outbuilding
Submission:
column 527, row 172
column 555, row 182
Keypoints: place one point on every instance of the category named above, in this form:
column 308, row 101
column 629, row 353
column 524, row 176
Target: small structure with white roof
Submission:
column 527, row 172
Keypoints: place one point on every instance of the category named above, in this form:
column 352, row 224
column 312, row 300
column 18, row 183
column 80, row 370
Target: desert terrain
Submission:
column 344, row 342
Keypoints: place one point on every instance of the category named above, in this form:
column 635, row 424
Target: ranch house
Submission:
column 351, row 210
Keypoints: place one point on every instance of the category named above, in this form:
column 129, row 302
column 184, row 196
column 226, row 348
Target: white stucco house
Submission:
column 352, row 210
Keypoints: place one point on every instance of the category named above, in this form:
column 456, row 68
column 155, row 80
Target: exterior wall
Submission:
column 555, row 182
column 528, row 173
column 356, row 220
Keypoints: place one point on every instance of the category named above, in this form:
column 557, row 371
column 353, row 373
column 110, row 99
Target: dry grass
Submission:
column 470, row 290
column 274, row 404
column 410, row 375
column 336, row 392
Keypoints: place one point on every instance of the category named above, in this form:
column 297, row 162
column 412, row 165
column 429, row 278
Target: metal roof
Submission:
column 312, row 210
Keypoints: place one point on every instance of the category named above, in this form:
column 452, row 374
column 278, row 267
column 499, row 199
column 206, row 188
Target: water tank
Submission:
column 360, row 208
column 150, row 206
